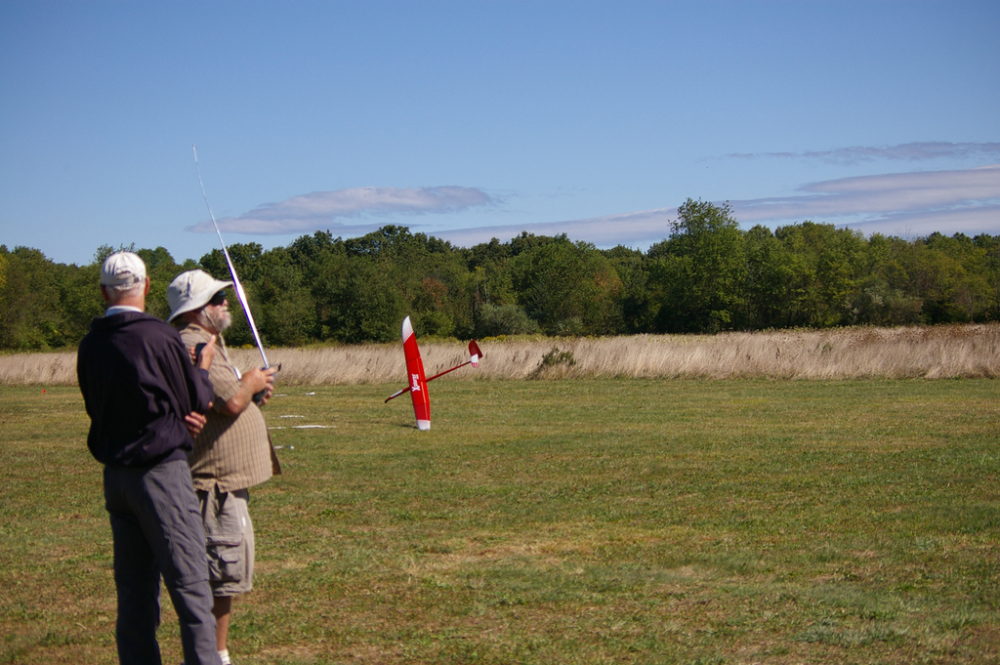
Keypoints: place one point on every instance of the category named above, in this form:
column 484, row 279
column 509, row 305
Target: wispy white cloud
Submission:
column 970, row 221
column 910, row 152
column 322, row 210
column 964, row 200
column 901, row 204
column 632, row 229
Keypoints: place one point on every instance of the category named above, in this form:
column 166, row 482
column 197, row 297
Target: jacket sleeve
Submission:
column 200, row 388
column 196, row 382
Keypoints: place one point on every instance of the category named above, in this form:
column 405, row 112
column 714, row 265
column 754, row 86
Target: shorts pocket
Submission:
column 226, row 560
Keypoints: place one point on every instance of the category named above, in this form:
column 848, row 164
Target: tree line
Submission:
column 707, row 276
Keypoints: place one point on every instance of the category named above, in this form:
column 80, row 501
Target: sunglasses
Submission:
column 218, row 298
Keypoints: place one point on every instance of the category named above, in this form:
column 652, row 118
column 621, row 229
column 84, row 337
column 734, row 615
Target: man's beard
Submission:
column 222, row 322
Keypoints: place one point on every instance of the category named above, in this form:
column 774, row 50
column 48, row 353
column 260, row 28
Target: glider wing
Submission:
column 474, row 355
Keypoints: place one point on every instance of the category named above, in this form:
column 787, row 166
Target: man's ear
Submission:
column 146, row 292
column 104, row 294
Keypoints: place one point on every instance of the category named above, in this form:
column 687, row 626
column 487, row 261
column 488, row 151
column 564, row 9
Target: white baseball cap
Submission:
column 192, row 290
column 123, row 269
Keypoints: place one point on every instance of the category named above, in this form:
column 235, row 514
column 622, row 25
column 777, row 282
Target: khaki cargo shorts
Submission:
column 229, row 541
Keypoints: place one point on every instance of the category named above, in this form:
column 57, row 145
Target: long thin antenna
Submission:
column 240, row 294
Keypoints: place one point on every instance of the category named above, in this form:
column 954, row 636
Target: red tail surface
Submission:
column 418, row 383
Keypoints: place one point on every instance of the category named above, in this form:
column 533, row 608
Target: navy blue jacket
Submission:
column 138, row 383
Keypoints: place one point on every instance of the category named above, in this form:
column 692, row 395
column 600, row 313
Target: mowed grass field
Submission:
column 569, row 521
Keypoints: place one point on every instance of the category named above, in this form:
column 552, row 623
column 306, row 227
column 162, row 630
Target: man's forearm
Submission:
column 238, row 403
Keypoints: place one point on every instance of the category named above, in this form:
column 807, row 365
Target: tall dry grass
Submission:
column 937, row 352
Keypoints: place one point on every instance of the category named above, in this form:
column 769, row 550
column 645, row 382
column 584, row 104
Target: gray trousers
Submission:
column 158, row 532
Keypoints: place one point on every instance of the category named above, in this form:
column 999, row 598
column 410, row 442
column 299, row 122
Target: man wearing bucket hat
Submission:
column 233, row 451
column 141, row 393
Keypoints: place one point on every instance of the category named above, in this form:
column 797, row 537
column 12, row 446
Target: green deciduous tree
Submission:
column 31, row 316
column 632, row 306
column 569, row 288
column 357, row 301
column 698, row 271
column 287, row 314
column 824, row 266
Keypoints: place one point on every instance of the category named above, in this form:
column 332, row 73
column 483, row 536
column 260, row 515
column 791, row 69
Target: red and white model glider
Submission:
column 418, row 382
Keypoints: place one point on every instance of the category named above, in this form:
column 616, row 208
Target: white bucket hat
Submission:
column 192, row 290
column 123, row 269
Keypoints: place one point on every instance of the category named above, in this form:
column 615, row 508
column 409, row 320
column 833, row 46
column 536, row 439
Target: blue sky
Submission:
column 468, row 120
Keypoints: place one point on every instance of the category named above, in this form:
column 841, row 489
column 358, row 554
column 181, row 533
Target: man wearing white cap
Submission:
column 143, row 395
column 233, row 452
